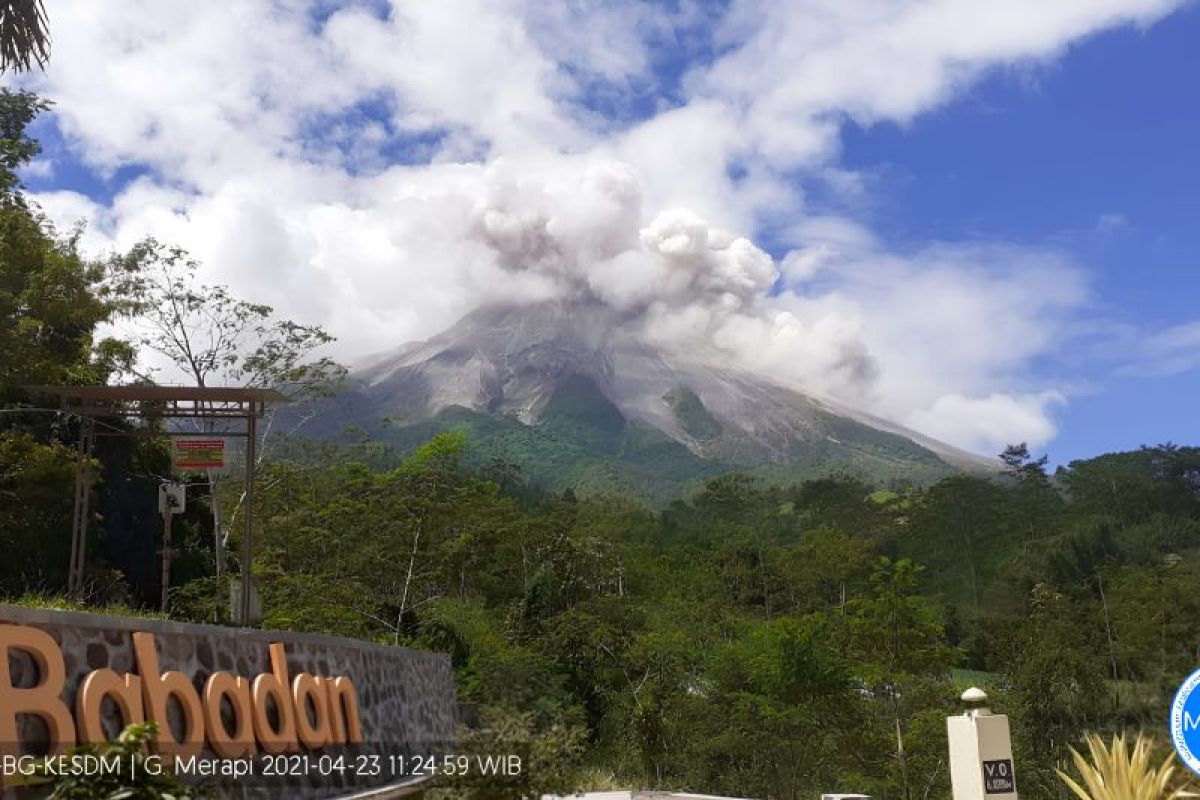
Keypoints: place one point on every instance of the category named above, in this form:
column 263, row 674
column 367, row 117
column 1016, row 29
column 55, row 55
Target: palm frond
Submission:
column 24, row 35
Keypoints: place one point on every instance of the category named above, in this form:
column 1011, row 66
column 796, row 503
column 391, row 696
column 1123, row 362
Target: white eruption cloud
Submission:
column 383, row 175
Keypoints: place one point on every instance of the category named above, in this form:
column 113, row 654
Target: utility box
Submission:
column 981, row 761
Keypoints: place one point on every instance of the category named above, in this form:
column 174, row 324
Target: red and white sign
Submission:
column 198, row 454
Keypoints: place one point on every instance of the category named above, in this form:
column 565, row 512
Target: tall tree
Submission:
column 1021, row 464
column 51, row 302
column 900, row 644
column 51, row 298
column 217, row 339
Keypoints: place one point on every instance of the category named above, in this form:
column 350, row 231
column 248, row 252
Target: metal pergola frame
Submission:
column 214, row 403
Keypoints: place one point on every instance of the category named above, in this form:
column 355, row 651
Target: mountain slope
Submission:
column 569, row 394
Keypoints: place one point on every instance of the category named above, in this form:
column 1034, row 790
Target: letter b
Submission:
column 43, row 700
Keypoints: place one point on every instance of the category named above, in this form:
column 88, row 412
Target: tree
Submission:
column 968, row 512
column 17, row 110
column 772, row 712
column 1131, row 487
column 217, row 339
column 51, row 298
column 52, row 301
column 212, row 336
column 1054, row 680
column 549, row 757
column 24, row 35
column 824, row 568
column 34, row 509
column 901, row 648
column 1020, row 464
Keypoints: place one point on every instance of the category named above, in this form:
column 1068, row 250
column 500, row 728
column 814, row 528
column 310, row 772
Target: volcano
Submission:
column 573, row 395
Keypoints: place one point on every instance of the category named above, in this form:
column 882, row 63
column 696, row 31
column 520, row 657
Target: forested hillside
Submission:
column 757, row 641
column 753, row 641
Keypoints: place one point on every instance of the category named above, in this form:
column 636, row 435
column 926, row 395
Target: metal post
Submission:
column 79, row 516
column 247, row 537
column 168, row 514
column 75, row 516
column 219, row 558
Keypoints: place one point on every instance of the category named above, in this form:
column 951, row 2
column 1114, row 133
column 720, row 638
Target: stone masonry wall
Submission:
column 406, row 698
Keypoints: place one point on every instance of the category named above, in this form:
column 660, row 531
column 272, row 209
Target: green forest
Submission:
column 745, row 639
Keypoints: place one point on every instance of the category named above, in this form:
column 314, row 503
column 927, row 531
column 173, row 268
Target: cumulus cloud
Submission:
column 384, row 173
column 988, row 424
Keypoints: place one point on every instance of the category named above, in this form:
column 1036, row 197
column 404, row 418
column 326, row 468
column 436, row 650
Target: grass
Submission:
column 58, row 602
column 964, row 679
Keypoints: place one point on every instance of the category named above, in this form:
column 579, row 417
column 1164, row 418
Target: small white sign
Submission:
column 172, row 498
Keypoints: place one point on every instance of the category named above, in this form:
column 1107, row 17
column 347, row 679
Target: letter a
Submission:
column 156, row 688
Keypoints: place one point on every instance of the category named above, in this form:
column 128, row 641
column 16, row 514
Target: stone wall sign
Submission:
column 334, row 713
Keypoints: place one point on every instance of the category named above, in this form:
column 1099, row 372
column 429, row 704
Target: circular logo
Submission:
column 1185, row 722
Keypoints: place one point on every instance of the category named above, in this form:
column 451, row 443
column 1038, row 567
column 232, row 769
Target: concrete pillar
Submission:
column 981, row 761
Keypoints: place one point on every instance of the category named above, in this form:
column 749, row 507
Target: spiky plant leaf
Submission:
column 1117, row 772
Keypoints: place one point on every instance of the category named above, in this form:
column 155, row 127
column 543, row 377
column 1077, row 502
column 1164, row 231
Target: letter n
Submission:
column 345, row 725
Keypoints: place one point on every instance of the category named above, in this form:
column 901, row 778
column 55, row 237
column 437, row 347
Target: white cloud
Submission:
column 1167, row 352
column 794, row 67
column 38, row 168
column 67, row 209
column 384, row 174
column 988, row 424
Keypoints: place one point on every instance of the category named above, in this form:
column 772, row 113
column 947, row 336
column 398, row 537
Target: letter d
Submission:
column 274, row 685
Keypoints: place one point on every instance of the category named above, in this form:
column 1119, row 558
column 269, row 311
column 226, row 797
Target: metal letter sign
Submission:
column 998, row 776
column 198, row 454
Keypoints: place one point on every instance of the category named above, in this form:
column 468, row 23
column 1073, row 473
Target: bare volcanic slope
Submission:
column 577, row 399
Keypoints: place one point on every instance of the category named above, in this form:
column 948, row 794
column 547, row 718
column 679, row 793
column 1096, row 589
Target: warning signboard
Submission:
column 190, row 455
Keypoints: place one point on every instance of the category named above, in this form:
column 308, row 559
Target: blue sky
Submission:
column 976, row 219
column 1097, row 154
